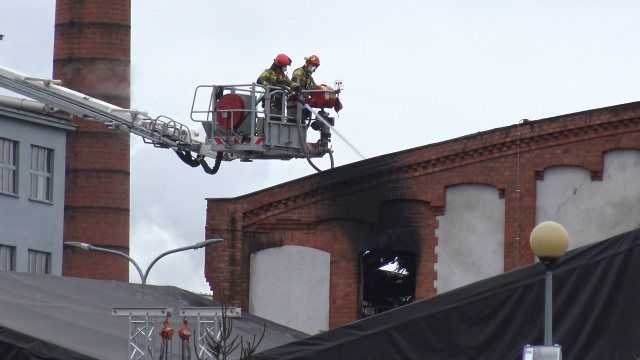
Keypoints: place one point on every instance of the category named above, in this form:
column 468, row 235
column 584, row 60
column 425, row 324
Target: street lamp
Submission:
column 143, row 276
column 549, row 241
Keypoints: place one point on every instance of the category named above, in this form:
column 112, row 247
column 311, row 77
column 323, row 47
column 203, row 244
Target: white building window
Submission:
column 8, row 166
column 39, row 262
column 7, row 258
column 41, row 170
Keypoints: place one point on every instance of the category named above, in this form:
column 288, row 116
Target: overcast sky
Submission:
column 415, row 73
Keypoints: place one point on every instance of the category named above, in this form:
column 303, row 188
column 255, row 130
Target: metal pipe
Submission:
column 548, row 309
column 24, row 104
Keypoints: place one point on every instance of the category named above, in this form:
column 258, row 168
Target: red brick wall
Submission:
column 92, row 55
column 393, row 201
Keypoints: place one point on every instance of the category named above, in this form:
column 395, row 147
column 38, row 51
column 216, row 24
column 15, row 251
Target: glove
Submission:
column 298, row 90
column 338, row 105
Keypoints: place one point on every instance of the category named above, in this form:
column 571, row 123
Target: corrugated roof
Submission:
column 45, row 315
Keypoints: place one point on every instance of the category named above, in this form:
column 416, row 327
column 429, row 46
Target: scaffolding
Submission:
column 141, row 342
column 209, row 323
column 141, row 326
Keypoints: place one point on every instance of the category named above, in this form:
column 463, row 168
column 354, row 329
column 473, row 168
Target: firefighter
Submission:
column 303, row 76
column 276, row 76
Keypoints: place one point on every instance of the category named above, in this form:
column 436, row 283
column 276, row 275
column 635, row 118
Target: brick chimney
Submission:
column 92, row 55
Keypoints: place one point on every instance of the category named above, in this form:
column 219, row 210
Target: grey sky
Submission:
column 415, row 72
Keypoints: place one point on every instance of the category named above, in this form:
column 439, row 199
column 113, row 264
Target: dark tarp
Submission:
column 16, row 345
column 54, row 317
column 595, row 315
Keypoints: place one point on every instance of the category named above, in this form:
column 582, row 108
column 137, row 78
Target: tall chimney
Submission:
column 92, row 55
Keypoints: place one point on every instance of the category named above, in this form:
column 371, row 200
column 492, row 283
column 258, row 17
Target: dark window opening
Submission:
column 387, row 280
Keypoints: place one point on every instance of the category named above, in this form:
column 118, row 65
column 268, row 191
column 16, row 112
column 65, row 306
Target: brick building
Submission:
column 464, row 208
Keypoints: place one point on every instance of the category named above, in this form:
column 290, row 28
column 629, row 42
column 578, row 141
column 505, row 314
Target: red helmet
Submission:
column 313, row 60
column 282, row 60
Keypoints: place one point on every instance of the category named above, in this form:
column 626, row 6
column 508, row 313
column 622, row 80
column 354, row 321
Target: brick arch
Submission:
column 364, row 206
column 401, row 224
column 403, row 192
column 626, row 143
column 500, row 191
column 539, row 174
column 635, row 148
column 478, row 179
column 393, row 227
column 619, row 149
column 319, row 236
column 592, row 162
column 343, row 208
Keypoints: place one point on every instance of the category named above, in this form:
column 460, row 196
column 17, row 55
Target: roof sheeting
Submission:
column 596, row 292
column 53, row 317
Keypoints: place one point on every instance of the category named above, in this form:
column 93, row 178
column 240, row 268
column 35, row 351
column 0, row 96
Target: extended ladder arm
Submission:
column 161, row 131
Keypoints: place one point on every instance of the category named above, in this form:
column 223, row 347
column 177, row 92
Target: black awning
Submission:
column 596, row 301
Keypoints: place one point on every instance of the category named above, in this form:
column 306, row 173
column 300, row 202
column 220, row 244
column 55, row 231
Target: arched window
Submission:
column 387, row 280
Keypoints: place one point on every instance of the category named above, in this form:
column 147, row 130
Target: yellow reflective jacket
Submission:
column 274, row 77
column 303, row 77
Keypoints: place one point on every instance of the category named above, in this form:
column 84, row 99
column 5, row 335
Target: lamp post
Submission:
column 143, row 276
column 549, row 241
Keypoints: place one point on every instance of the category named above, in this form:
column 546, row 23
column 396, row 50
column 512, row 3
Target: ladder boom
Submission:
column 162, row 131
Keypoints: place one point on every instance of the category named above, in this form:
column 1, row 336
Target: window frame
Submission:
column 41, row 178
column 36, row 259
column 10, row 167
column 9, row 254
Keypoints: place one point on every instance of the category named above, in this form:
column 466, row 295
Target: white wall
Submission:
column 290, row 285
column 470, row 236
column 592, row 210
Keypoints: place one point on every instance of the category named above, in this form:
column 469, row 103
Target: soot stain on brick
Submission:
column 393, row 237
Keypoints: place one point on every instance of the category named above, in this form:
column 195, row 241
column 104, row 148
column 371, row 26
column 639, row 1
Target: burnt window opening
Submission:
column 387, row 280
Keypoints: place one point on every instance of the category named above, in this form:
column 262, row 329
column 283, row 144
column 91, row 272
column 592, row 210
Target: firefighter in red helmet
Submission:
column 303, row 76
column 276, row 76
